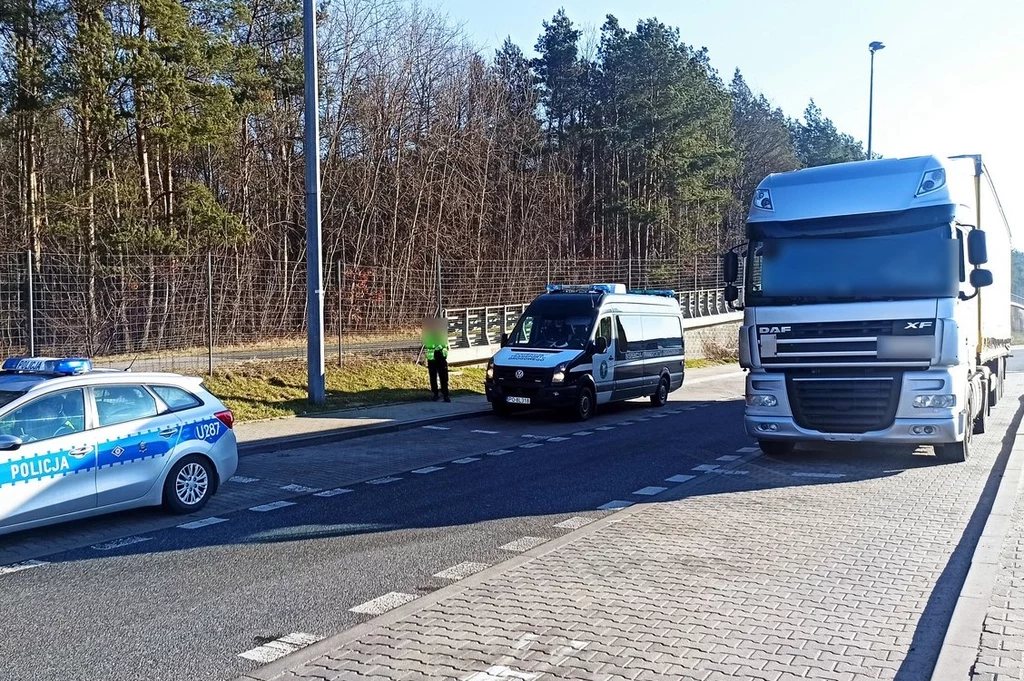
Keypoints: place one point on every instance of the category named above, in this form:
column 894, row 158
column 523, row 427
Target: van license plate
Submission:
column 517, row 400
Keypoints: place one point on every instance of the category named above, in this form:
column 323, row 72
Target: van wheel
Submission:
column 500, row 409
column 659, row 398
column 189, row 485
column 584, row 408
column 776, row 447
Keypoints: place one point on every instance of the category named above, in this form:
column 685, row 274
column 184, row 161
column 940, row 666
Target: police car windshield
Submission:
column 8, row 396
column 559, row 322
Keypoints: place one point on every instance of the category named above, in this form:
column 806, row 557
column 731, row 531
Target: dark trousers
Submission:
column 438, row 370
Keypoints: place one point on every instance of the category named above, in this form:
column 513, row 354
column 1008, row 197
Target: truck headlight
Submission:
column 762, row 401
column 559, row 375
column 935, row 401
column 490, row 370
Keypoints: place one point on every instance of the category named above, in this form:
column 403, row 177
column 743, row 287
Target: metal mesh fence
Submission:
column 188, row 313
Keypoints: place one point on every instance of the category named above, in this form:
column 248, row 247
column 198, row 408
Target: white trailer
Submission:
column 868, row 316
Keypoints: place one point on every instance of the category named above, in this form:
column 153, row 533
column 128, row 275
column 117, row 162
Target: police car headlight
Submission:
column 559, row 375
column 935, row 401
column 762, row 401
column 490, row 370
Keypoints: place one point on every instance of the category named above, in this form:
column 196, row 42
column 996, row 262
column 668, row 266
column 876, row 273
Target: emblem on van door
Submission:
column 519, row 373
column 604, row 369
column 774, row 329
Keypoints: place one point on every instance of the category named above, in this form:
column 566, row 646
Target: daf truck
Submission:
column 876, row 298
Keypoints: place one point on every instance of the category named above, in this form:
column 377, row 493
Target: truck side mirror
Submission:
column 981, row 278
column 977, row 249
column 732, row 294
column 730, row 267
column 504, row 339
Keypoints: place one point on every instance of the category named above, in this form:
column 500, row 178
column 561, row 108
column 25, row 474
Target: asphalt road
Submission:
column 183, row 604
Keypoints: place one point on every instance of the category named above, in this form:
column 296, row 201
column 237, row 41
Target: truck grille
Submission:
column 844, row 404
column 833, row 343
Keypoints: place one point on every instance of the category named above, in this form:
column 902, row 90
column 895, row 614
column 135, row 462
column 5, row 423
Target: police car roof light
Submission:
column 68, row 366
column 668, row 293
column 585, row 288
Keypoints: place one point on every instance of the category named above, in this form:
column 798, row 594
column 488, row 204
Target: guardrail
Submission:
column 473, row 327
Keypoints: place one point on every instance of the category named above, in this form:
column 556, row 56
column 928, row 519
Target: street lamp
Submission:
column 873, row 47
column 314, row 257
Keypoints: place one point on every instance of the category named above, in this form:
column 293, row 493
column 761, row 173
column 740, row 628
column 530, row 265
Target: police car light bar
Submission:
column 69, row 366
column 585, row 288
column 668, row 293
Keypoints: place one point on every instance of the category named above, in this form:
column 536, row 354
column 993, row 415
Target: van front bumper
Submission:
column 551, row 396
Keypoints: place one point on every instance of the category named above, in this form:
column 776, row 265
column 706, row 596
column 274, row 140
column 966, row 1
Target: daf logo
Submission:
column 774, row 329
column 519, row 373
column 917, row 325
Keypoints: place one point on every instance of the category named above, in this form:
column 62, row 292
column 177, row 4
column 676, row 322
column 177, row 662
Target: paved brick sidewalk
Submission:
column 838, row 564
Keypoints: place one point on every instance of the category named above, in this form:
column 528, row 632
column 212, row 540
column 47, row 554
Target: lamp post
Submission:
column 873, row 47
column 314, row 256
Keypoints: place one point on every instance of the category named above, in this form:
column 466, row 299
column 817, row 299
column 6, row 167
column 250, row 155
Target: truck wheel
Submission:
column 659, row 398
column 584, row 408
column 956, row 452
column 776, row 447
column 981, row 420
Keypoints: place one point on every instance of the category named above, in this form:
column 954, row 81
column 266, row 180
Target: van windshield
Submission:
column 555, row 324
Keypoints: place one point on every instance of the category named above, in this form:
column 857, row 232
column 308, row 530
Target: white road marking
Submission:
column 531, row 445
column 436, row 427
column 332, row 492
column 650, row 491
column 118, row 543
column 300, row 489
column 428, row 469
column 605, row 428
column 242, row 479
column 680, row 478
column 658, row 416
column 557, row 439
column 707, row 467
column 535, row 437
column 644, row 418
column 613, row 505
column 748, row 450
column 486, row 432
column 574, row 523
column 382, row 604
column 823, row 476
column 728, row 457
column 272, row 650
column 734, row 472
column 523, row 544
column 687, row 409
column 499, row 452
column 24, row 565
column 467, row 459
column 462, row 570
column 196, row 524
column 582, row 433
column 382, row 481
column 272, row 506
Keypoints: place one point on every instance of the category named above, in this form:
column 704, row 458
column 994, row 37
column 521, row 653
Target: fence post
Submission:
column 31, row 308
column 209, row 314
column 341, row 285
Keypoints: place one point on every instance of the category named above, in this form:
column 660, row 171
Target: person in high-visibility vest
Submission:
column 435, row 343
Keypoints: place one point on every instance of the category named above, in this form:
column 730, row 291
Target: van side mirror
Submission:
column 981, row 278
column 504, row 339
column 600, row 345
column 977, row 248
column 730, row 267
column 732, row 294
column 9, row 443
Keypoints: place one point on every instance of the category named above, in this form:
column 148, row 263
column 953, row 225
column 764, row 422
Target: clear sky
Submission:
column 949, row 81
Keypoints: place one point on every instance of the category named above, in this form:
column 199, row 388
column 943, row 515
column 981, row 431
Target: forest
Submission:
column 139, row 136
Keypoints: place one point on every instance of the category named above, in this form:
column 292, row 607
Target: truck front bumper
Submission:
column 922, row 431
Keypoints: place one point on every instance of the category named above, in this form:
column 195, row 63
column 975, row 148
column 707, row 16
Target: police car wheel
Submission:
column 189, row 485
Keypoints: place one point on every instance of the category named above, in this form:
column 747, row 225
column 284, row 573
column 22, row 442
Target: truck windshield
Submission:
column 800, row 270
column 558, row 322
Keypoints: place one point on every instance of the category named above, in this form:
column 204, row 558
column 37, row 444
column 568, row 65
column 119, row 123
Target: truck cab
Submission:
column 864, row 316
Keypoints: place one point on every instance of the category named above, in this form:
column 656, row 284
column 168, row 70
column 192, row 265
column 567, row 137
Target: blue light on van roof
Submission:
column 68, row 366
column 585, row 288
column 668, row 293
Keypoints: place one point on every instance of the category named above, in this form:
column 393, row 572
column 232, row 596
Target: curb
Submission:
column 959, row 648
column 278, row 668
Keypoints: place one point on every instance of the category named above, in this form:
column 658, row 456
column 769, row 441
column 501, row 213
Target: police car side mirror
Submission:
column 504, row 339
column 9, row 443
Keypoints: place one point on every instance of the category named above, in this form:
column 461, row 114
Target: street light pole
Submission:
column 317, row 388
column 873, row 47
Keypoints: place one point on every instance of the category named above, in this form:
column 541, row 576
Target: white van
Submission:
column 579, row 346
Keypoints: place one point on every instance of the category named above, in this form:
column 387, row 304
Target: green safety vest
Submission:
column 433, row 342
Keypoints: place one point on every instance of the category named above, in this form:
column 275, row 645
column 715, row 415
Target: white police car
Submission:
column 76, row 442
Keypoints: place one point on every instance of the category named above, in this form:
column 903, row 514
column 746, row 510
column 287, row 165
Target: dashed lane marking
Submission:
column 196, row 524
column 650, row 491
column 531, row 445
column 822, row 476
column 706, row 468
column 574, row 523
column 272, row 506
column 118, row 543
column 582, row 433
column 382, row 604
column 242, row 479
column 625, row 423
column 327, row 493
column 733, row 472
column 614, row 505
column 24, row 565
column 272, row 650
column 428, row 469
column 436, row 428
column 300, row 489
column 557, row 439
column 532, row 437
column 486, row 432
column 462, row 570
column 499, row 452
column 605, row 428
column 382, row 481
column 728, row 457
column 467, row 459
column 658, row 416
column 680, row 478
column 523, row 544
column 748, row 450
